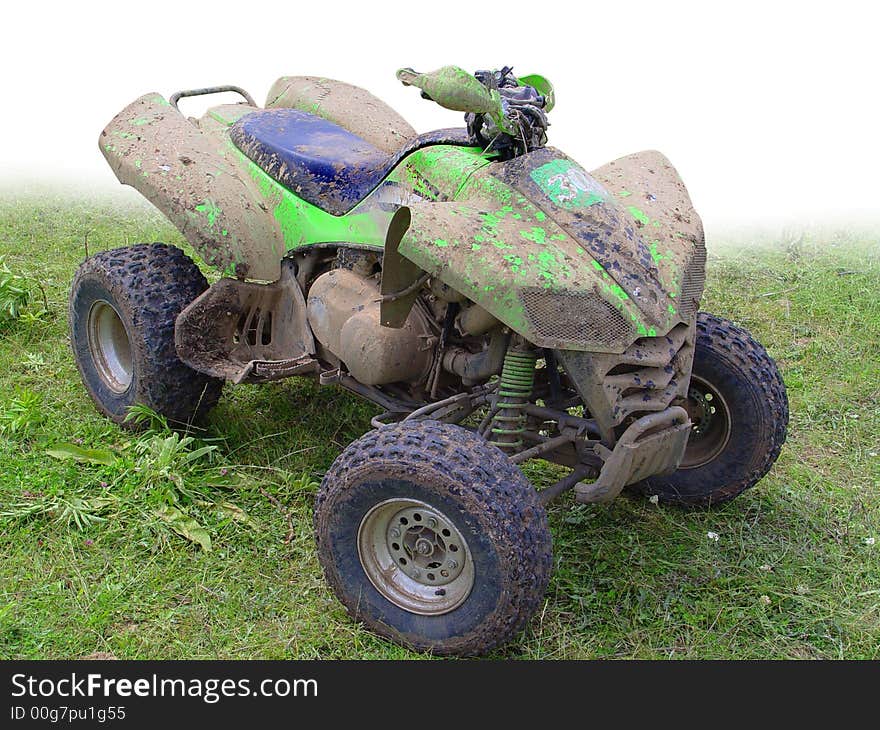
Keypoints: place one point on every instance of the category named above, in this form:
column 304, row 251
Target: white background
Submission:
column 768, row 109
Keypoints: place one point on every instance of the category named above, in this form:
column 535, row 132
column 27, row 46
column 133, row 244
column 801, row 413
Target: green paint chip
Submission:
column 211, row 211
column 638, row 215
column 655, row 254
column 536, row 234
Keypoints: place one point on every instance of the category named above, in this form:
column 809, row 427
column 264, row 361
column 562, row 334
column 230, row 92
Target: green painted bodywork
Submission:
column 433, row 173
column 491, row 230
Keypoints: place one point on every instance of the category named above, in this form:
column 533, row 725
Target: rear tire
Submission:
column 739, row 407
column 123, row 307
column 486, row 529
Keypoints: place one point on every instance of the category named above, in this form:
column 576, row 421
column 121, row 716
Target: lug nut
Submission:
column 432, row 523
column 452, row 564
column 394, row 532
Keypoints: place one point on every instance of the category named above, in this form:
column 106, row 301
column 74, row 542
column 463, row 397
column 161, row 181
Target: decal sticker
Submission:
column 568, row 185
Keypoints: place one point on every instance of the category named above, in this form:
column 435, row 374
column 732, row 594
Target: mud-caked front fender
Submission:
column 551, row 252
column 515, row 265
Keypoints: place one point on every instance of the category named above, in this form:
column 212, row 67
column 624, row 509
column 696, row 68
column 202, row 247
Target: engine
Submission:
column 343, row 311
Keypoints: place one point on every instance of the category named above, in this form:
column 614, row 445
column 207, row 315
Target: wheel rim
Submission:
column 415, row 556
column 110, row 346
column 710, row 416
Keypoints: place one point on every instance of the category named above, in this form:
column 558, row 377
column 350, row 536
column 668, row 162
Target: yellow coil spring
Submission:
column 514, row 393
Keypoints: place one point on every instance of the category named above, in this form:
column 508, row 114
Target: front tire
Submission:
column 123, row 307
column 432, row 538
column 739, row 408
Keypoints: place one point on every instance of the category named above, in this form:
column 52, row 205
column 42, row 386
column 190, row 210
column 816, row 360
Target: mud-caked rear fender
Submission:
column 197, row 180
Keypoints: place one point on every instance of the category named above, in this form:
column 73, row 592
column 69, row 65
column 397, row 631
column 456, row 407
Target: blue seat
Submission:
column 320, row 161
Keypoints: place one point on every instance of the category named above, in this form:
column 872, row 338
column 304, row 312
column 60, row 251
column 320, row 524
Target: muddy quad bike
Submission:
column 494, row 299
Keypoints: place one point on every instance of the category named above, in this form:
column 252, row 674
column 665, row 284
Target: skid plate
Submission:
column 654, row 444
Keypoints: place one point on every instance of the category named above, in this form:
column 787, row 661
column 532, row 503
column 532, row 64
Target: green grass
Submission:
column 87, row 564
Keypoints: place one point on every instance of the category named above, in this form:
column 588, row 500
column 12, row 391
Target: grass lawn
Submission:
column 106, row 558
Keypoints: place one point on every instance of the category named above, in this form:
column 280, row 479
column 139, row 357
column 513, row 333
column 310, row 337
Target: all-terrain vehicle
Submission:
column 495, row 300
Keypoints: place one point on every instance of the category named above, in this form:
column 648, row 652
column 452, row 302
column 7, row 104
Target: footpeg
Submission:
column 258, row 371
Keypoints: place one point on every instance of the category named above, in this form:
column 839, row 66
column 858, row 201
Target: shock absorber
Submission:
column 514, row 394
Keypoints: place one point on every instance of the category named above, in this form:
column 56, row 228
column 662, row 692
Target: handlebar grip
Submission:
column 453, row 88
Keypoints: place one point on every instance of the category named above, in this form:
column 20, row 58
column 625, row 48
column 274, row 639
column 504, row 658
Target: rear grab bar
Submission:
column 210, row 90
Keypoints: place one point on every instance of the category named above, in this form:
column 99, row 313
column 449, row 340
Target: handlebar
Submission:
column 503, row 112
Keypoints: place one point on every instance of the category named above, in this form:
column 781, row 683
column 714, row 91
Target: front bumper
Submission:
column 654, row 444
